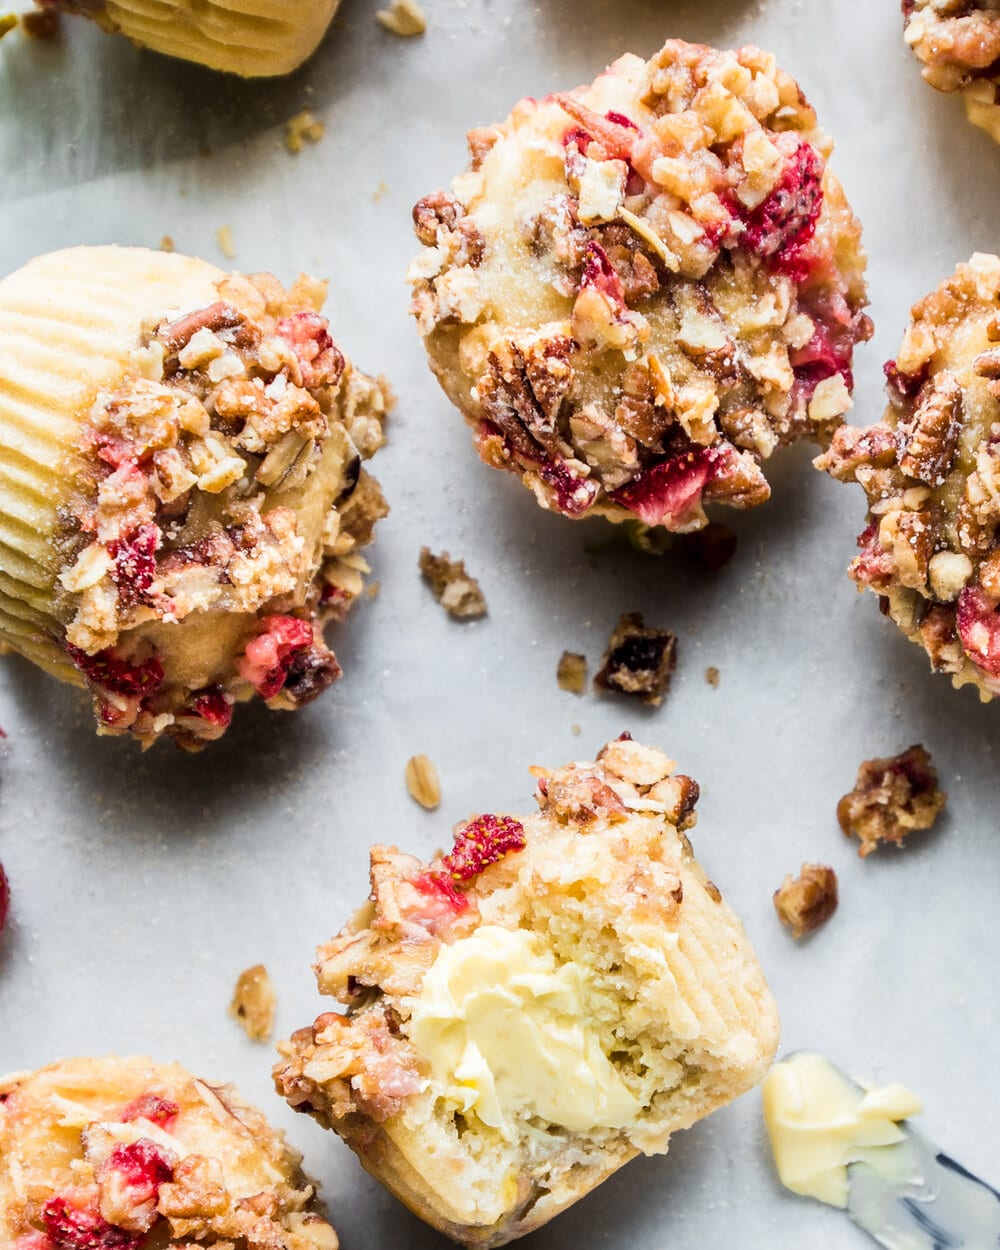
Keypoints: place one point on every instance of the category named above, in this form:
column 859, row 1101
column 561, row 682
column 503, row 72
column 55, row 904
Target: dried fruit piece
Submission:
column 638, row 661
column 451, row 585
column 159, row 1111
column 482, row 842
column 254, row 1003
column 71, row 1227
column 806, row 902
column 892, row 797
column 422, row 781
column 571, row 672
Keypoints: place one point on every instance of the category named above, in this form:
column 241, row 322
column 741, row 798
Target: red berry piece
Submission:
column 672, row 489
column 482, row 842
column 269, row 656
column 70, row 1227
column 438, row 887
column 785, row 222
column 159, row 1111
column 978, row 621
column 116, row 674
column 320, row 360
column 135, row 563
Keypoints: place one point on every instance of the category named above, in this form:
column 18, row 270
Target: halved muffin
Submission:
column 530, row 1011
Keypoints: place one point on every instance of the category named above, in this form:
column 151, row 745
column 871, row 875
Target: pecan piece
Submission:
column 928, row 438
column 806, row 902
column 638, row 661
column 891, row 797
column 852, row 448
column 523, row 392
column 455, row 589
column 216, row 317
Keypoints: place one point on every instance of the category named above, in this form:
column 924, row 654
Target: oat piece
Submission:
column 422, row 781
column 892, row 797
column 931, row 471
column 403, row 17
column 254, row 1003
column 452, row 587
column 806, row 902
column 303, row 128
column 638, row 661
column 712, row 675
column 694, row 294
column 571, row 672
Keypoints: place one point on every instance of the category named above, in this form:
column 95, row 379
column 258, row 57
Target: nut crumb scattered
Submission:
column 381, row 190
column 373, row 589
column 7, row 23
column 571, row 672
column 167, row 243
column 638, row 661
column 806, row 902
column 452, row 587
column 422, row 781
column 41, row 23
column 254, row 1002
column 891, row 798
column 303, row 128
column 576, row 730
column 403, row 17
column 224, row 238
column 712, row 675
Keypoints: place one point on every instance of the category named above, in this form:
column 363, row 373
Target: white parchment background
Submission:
column 143, row 884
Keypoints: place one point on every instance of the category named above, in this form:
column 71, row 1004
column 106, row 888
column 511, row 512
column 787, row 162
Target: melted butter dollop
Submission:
column 506, row 1033
column 819, row 1122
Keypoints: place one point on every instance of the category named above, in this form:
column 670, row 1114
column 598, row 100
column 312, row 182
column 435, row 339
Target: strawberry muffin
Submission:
column 931, row 471
column 640, row 289
column 124, row 1154
column 182, row 492
column 530, row 1011
column 957, row 43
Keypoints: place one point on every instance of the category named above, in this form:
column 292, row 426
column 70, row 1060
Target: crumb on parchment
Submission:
column 305, row 127
column 806, row 902
column 712, row 675
column 571, row 672
column 891, row 797
column 254, row 1003
column 457, row 592
column 638, row 661
column 422, row 781
column 224, row 238
column 403, row 17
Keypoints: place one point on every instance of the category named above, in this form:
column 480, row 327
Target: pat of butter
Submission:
column 505, row 1032
column 819, row 1122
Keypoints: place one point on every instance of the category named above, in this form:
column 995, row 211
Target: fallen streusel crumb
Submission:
column 571, row 672
column 167, row 243
column 422, row 781
column 457, row 592
column 712, row 675
column 891, row 798
column 638, row 661
column 254, row 1003
column 806, row 902
column 303, row 128
column 403, row 17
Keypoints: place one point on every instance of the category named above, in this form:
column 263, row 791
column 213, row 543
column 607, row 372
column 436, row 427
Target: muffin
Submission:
column 109, row 1153
column 252, row 38
column 530, row 1011
column 958, row 45
column 931, row 471
column 640, row 289
column 182, row 501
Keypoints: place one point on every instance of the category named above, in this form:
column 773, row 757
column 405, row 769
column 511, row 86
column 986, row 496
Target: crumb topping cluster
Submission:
column 85, row 1165
column 642, row 288
column 958, row 44
column 221, row 477
column 891, row 798
column 931, row 471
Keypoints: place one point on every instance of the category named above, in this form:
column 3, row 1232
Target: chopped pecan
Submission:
column 928, row 438
column 457, row 592
column 852, row 448
column 523, row 392
column 175, row 335
column 891, row 798
column 806, row 902
column 638, row 661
